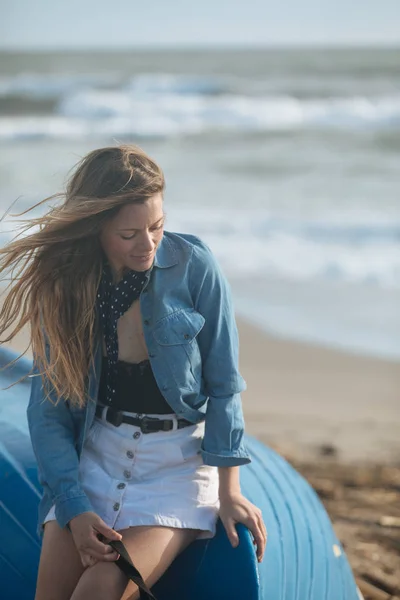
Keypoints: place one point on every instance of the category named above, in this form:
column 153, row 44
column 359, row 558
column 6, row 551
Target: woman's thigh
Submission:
column 152, row 550
column 60, row 566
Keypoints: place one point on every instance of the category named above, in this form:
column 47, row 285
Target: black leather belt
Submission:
column 146, row 424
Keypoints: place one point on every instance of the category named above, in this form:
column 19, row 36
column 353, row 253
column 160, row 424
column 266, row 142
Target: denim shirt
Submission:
column 192, row 342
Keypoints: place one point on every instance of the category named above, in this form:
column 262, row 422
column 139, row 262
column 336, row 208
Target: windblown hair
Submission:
column 56, row 270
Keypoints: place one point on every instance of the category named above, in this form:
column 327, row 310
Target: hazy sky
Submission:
column 121, row 23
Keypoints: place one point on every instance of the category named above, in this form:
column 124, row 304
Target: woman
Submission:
column 135, row 413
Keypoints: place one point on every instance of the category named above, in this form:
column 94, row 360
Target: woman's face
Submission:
column 130, row 239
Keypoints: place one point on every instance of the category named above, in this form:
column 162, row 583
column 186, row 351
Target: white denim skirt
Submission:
column 134, row 478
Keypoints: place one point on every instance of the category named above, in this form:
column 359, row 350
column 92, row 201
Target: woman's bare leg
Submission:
column 60, row 566
column 152, row 550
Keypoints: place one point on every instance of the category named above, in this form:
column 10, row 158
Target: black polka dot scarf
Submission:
column 113, row 300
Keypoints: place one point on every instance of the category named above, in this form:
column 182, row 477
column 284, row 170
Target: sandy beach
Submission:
column 302, row 398
column 306, row 401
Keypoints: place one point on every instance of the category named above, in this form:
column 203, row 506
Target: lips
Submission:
column 146, row 256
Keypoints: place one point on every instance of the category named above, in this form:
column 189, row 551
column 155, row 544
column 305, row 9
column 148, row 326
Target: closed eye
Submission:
column 133, row 235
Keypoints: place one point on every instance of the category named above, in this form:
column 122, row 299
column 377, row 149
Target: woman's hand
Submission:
column 237, row 509
column 85, row 529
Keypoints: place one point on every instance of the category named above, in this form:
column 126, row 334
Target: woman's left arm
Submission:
column 218, row 340
column 223, row 444
column 235, row 508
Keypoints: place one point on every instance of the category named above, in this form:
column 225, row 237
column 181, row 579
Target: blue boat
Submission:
column 304, row 560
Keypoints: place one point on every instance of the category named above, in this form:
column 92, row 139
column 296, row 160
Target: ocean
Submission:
column 287, row 162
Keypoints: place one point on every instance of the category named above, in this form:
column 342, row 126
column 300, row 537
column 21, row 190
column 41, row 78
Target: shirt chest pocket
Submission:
column 176, row 336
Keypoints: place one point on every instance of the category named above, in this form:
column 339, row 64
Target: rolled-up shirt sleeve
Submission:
column 223, row 443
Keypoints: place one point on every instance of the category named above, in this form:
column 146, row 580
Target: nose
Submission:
column 147, row 244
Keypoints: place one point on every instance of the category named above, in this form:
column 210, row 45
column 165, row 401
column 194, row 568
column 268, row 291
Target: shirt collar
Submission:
column 165, row 254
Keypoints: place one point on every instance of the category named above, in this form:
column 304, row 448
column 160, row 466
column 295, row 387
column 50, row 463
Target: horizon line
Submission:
column 384, row 45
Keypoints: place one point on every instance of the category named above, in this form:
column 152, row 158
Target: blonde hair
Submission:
column 55, row 271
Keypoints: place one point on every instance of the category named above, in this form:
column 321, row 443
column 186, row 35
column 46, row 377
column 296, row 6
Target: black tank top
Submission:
column 137, row 389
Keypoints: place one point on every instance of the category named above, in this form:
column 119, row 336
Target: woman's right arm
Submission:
column 52, row 436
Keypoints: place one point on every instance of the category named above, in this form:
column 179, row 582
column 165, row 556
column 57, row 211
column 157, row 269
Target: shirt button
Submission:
column 151, row 355
column 130, row 454
column 164, row 387
column 116, row 506
column 127, row 474
column 186, row 336
column 136, row 435
column 121, row 486
column 146, row 322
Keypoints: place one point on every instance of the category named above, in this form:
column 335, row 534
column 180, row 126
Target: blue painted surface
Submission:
column 299, row 563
